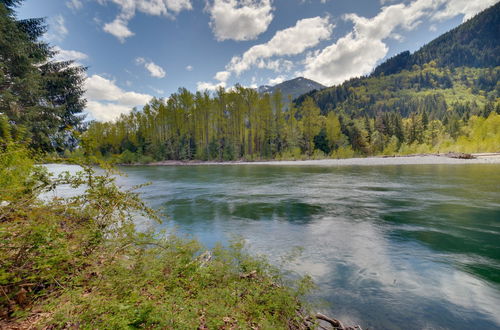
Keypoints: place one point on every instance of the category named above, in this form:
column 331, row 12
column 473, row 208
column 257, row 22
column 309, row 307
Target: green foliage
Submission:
column 237, row 124
column 42, row 95
column 343, row 152
column 254, row 127
column 472, row 44
column 16, row 170
column 80, row 262
column 410, row 104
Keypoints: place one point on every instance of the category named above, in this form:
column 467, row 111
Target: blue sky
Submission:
column 137, row 49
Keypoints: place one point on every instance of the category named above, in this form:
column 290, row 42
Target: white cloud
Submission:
column 203, row 86
column 222, row 76
column 189, row 68
column 128, row 8
column 295, row 40
column 305, row 34
column 358, row 52
column 106, row 101
column 119, row 29
column 69, row 55
column 277, row 80
column 106, row 111
column 468, row 8
column 239, row 19
column 350, row 56
column 57, row 29
column 74, row 4
column 154, row 69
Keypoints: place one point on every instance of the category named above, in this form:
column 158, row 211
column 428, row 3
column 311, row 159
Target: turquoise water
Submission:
column 390, row 247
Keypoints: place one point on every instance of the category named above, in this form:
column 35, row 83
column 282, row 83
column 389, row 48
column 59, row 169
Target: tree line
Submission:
column 242, row 124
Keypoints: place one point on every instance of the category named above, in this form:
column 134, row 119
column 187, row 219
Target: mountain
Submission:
column 475, row 43
column 456, row 75
column 294, row 87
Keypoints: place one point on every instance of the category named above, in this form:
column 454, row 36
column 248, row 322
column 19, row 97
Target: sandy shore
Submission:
column 482, row 158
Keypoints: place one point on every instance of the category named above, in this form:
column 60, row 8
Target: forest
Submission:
column 444, row 97
column 241, row 124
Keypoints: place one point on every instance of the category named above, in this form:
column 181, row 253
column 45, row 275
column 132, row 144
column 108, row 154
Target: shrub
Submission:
column 79, row 262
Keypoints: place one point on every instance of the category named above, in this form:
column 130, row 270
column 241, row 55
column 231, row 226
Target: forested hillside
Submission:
column 476, row 43
column 445, row 97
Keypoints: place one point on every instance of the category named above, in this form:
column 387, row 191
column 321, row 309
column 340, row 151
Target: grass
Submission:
column 80, row 263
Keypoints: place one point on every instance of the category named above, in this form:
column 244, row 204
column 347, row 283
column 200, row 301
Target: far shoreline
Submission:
column 423, row 159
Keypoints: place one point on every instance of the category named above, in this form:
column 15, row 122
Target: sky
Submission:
column 139, row 49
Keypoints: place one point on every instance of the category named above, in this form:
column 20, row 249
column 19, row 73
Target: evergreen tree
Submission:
column 44, row 96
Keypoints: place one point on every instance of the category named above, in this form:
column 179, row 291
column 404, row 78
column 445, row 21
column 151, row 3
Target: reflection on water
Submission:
column 390, row 247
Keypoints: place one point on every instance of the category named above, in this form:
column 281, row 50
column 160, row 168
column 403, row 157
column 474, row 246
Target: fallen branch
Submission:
column 335, row 323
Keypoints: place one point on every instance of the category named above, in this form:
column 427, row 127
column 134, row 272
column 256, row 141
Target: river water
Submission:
column 390, row 247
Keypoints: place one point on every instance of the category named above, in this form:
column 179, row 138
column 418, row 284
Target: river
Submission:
column 390, row 247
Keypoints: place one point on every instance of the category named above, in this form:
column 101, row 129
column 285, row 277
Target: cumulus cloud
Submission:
column 128, row 8
column 106, row 101
column 222, row 76
column 305, row 34
column 467, row 8
column 239, row 19
column 350, row 56
column 119, row 29
column 359, row 51
column 154, row 69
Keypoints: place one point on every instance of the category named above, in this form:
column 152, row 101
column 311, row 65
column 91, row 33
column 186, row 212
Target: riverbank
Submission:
column 80, row 262
column 427, row 159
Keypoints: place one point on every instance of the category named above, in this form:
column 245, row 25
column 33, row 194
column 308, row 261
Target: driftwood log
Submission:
column 336, row 324
column 459, row 155
column 310, row 322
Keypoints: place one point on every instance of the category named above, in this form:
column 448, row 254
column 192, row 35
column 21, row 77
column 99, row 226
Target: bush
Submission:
column 318, row 154
column 128, row 157
column 79, row 262
column 343, row 152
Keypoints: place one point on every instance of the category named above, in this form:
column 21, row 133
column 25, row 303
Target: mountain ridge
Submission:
column 293, row 87
column 456, row 74
column 474, row 43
